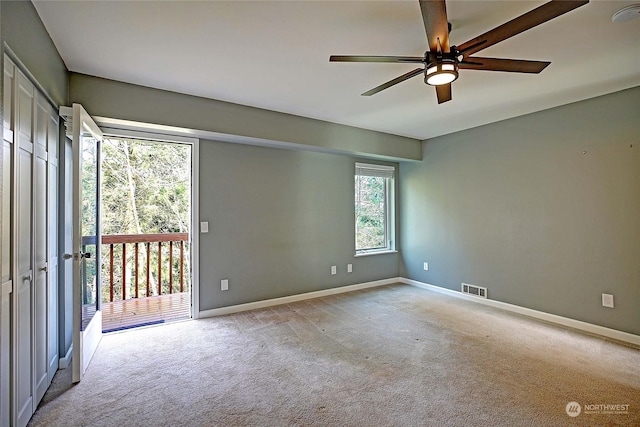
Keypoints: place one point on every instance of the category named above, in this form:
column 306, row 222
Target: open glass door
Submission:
column 87, row 317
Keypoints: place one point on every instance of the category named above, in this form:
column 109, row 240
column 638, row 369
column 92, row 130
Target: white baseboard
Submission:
column 552, row 318
column 65, row 361
column 294, row 298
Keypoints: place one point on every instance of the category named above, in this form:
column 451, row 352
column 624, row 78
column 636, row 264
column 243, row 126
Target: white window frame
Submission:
column 389, row 173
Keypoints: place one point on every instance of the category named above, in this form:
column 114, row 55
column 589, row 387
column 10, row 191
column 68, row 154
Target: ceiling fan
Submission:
column 442, row 61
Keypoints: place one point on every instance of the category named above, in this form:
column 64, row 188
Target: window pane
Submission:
column 370, row 212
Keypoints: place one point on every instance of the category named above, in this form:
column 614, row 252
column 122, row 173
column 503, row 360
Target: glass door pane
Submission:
column 90, row 282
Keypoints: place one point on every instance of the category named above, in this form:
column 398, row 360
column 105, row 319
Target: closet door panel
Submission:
column 40, row 279
column 23, row 283
column 40, row 229
column 6, row 230
column 52, row 311
column 23, row 300
column 7, row 287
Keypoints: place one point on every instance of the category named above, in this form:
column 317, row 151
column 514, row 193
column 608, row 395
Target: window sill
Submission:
column 380, row 252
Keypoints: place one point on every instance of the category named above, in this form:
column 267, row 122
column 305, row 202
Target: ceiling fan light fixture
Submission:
column 441, row 72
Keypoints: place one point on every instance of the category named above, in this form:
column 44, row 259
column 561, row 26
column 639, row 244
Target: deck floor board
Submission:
column 143, row 311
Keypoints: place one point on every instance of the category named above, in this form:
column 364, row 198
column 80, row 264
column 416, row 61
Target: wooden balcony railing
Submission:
column 118, row 246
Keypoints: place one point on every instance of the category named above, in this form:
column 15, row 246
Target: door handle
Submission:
column 45, row 269
column 77, row 255
column 28, row 277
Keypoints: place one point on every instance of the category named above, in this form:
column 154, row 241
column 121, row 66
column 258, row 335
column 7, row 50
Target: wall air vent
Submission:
column 476, row 291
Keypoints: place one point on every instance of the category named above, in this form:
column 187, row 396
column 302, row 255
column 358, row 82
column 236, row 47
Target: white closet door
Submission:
column 22, row 303
column 40, row 231
column 6, row 229
column 52, row 311
column 29, row 309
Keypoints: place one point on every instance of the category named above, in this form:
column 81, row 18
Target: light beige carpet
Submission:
column 391, row 356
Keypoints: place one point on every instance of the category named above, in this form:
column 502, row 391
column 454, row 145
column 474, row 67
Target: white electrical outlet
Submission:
column 224, row 284
column 607, row 300
column 425, row 265
column 334, row 269
column 349, row 268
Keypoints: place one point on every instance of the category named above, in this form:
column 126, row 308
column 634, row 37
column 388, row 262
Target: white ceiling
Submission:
column 275, row 55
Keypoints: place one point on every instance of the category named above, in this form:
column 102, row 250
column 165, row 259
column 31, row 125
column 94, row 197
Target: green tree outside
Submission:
column 370, row 195
column 146, row 189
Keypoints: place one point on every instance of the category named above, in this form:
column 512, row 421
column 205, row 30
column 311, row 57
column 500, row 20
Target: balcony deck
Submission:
column 131, row 313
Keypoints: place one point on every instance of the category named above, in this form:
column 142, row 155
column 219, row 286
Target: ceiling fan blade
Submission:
column 509, row 65
column 355, row 58
column 395, row 81
column 434, row 16
column 522, row 23
column 444, row 93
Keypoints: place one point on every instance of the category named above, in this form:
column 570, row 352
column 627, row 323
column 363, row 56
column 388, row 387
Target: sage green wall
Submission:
column 27, row 37
column 278, row 220
column 109, row 98
column 543, row 210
